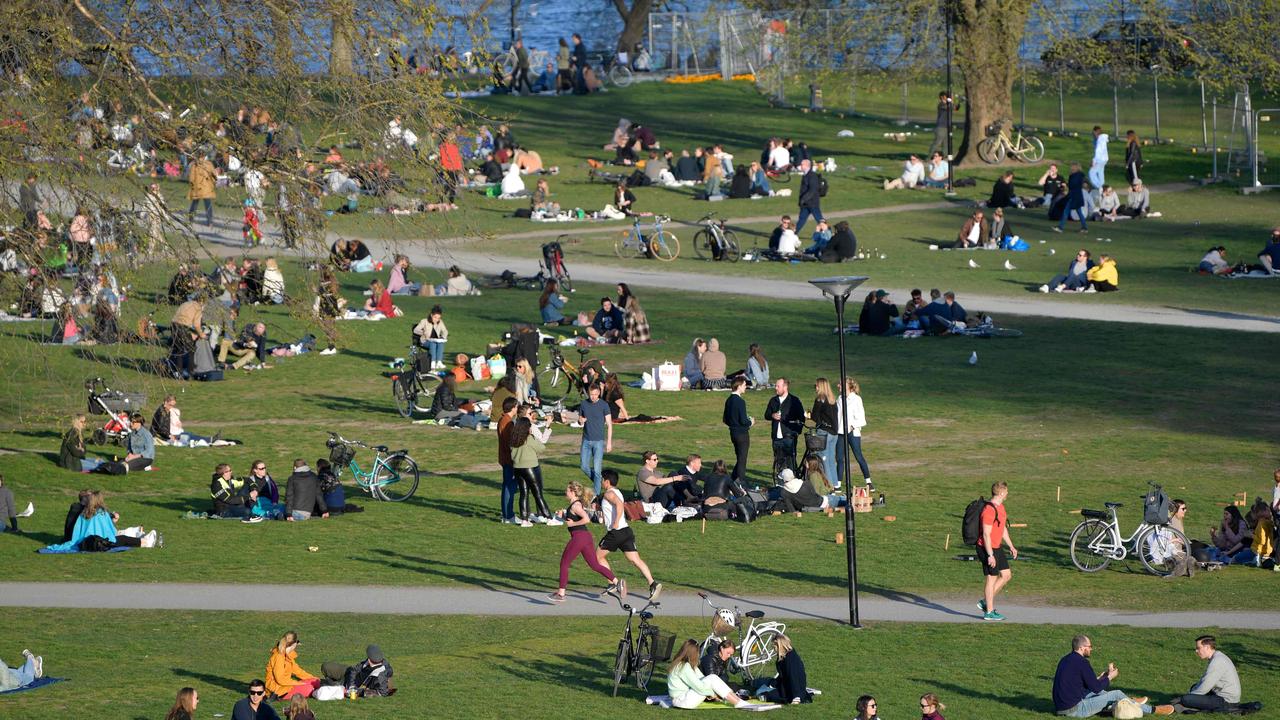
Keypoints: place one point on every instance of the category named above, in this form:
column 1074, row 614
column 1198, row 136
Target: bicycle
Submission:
column 393, row 476
column 778, row 175
column 756, row 645
column 1026, row 148
column 616, row 68
column 553, row 264
column 661, row 245
column 559, row 367
column 986, row 328
column 639, row 652
column 413, row 381
column 1096, row 541
column 715, row 241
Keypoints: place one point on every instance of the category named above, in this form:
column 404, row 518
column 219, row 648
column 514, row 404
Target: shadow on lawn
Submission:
column 587, row 672
column 231, row 684
column 1021, row 701
column 506, row 581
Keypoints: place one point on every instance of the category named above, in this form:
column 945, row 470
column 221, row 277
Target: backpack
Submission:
column 971, row 526
column 1155, row 506
column 822, row 186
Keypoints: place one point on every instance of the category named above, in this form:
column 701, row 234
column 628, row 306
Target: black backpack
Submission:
column 971, row 526
column 822, row 186
column 1155, row 507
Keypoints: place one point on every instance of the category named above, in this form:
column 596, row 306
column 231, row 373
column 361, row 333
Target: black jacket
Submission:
column 792, row 416
column 1002, row 195
column 740, row 186
column 71, row 452
column 160, row 424
column 1133, row 156
column 370, row 679
column 687, row 168
column 824, row 415
column 843, row 246
column 444, row 400
column 809, row 197
column 879, row 317
column 303, row 492
column 735, row 415
column 492, row 171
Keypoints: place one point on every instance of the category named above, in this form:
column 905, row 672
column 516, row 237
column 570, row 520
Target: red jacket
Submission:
column 383, row 304
column 450, row 157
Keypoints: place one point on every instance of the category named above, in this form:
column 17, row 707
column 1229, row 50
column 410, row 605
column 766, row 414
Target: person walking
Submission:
column 618, row 533
column 564, row 73
column 940, row 126
column 579, row 57
column 525, row 452
column 1075, row 199
column 505, row 461
column 810, row 194
column 521, row 77
column 577, row 519
column 1132, row 157
column 995, row 564
column 1097, row 170
column 597, row 434
column 739, row 423
column 203, row 179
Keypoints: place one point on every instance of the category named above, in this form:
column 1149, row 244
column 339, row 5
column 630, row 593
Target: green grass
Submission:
column 468, row 667
column 1096, row 409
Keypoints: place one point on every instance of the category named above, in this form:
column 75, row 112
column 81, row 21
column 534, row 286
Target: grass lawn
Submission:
column 1094, row 409
column 470, row 667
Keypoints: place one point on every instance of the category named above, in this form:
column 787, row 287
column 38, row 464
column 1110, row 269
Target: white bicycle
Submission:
column 1096, row 542
column 755, row 640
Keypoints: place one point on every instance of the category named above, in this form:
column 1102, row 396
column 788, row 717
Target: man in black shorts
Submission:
column 995, row 564
column 619, row 535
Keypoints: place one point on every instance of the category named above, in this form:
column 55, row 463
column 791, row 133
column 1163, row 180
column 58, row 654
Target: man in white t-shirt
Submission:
column 618, row 534
column 779, row 157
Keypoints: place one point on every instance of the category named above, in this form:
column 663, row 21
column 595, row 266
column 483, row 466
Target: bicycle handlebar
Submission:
column 338, row 438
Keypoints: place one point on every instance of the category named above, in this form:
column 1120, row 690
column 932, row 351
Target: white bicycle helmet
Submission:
column 727, row 617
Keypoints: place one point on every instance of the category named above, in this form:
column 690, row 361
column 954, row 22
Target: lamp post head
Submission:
column 839, row 287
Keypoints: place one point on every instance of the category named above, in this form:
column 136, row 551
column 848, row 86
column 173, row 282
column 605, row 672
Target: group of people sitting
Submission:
column 916, row 174
column 1215, row 260
column 308, row 494
column 940, row 315
column 622, row 321
column 1085, row 275
column 705, row 366
column 828, row 244
column 91, row 527
column 1247, row 538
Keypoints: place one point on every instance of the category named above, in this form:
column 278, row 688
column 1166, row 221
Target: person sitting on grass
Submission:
column 913, row 174
column 1104, row 277
column 1263, row 545
column 689, row 688
column 798, row 495
column 1080, row 692
column 757, row 366
column 740, row 185
column 379, row 300
column 1270, row 255
column 12, row 678
column 432, row 334
column 941, row 318
column 1215, row 262
column 821, row 239
column 371, row 677
column 1231, row 536
column 254, row 707
column 999, row 230
column 1219, row 686
column 302, row 494
column 692, row 365
column 398, row 284
column 653, row 487
column 184, row 705
column 456, row 284
column 608, row 324
column 939, row 171
column 1003, row 194
column 97, row 522
column 285, row 677
column 714, row 365
column 1051, row 185
column 551, row 304
column 1138, row 204
column 931, row 708
column 71, row 456
column 541, row 201
column 973, row 233
column 232, row 497
column 718, row 660
column 791, row 686
column 1108, row 205
column 867, row 707
column 141, row 446
column 1076, row 278
column 491, row 170
column 879, row 317
column 759, row 180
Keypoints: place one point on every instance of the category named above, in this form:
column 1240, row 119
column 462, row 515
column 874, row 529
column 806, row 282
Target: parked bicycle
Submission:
column 638, row 652
column 778, row 175
column 1097, row 541
column 715, row 241
column 553, row 264
column 561, row 368
column 393, row 476
column 659, row 244
column 413, row 383
column 1026, row 148
column 756, row 648
column 615, row 68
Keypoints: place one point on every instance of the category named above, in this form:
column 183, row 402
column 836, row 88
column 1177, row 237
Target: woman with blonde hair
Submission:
column 184, row 706
column 688, row 687
column 298, row 709
column 791, row 687
column 577, row 520
column 97, row 525
column 757, row 366
column 824, row 416
column 930, row 708
column 273, row 282
column 851, row 423
column 526, row 382
column 285, row 677
column 72, row 454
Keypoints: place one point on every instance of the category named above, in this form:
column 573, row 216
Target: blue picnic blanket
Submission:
column 35, row 685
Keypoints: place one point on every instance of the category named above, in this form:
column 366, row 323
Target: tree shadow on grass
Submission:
column 1021, row 701
column 507, row 581
column 346, row 404
column 231, row 684
column 589, row 673
column 175, row 504
column 145, row 366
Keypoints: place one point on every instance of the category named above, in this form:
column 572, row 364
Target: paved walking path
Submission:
column 897, row 607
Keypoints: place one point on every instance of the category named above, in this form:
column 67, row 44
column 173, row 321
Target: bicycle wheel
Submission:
column 620, row 75
column 665, row 246
column 991, row 150
column 732, row 250
column 395, row 479
column 644, row 661
column 427, row 386
column 621, row 663
column 702, row 245
column 626, row 246
column 759, row 655
column 402, row 391
column 1082, row 555
column 782, row 177
column 1162, row 549
column 1031, row 149
column 1000, row 333
column 99, row 437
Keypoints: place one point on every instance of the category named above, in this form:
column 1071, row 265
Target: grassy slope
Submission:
column 1094, row 409
column 464, row 667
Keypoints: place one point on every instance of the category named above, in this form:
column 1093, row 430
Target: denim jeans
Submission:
column 593, row 461
column 805, row 214
column 761, row 181
column 409, row 289
column 1066, row 213
column 90, row 464
column 436, row 351
column 828, row 454
column 854, row 445
column 1094, row 703
column 508, row 491
column 208, row 210
column 1096, row 179
column 300, row 515
column 363, row 266
column 27, row 673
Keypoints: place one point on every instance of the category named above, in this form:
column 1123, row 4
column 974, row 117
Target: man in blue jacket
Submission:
column 1079, row 692
column 1075, row 199
column 810, row 194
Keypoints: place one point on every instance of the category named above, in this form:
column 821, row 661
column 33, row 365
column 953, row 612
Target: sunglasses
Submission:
column 257, row 692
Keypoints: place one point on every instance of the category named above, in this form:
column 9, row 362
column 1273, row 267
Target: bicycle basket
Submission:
column 117, row 402
column 663, row 644
column 815, row 442
column 341, row 454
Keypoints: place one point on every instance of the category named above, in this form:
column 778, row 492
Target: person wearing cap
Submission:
column 879, row 317
column 1138, row 204
column 372, row 677
column 798, row 494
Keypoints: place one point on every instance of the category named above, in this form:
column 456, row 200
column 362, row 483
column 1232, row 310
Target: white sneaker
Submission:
column 554, row 522
column 329, row 351
column 525, row 524
column 39, row 666
column 1044, row 289
column 1090, row 289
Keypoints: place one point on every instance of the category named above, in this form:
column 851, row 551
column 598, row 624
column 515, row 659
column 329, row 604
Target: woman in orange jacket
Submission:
column 285, row 678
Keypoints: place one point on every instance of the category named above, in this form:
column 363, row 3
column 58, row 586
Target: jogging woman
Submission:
column 580, row 542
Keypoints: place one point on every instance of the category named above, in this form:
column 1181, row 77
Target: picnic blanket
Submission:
column 72, row 551
column 664, row 701
column 35, row 685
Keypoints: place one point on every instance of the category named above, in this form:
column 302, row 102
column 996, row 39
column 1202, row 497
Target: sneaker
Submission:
column 622, row 588
column 1141, row 700
column 612, row 589
column 871, row 487
column 1090, row 289
column 1058, row 289
column 982, row 605
column 525, row 524
column 252, row 520
column 554, row 522
column 993, row 615
column 556, row 598
column 329, row 351
column 1044, row 289
column 1057, row 229
column 39, row 665
column 1162, row 710
column 655, row 589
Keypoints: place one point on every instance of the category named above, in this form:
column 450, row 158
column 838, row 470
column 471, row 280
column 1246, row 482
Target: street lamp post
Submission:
column 951, row 189
column 839, row 288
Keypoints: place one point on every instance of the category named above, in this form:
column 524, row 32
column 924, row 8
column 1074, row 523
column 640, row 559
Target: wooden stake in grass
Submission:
column 946, row 545
column 839, row 538
column 704, row 526
column 1017, row 525
column 1059, row 493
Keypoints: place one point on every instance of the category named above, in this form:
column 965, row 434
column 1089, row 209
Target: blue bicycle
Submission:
column 660, row 244
column 393, row 477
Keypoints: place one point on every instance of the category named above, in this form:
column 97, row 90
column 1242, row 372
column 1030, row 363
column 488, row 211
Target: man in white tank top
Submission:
column 618, row 533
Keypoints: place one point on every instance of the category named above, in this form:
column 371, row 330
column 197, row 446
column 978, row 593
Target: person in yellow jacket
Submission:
column 1104, row 277
column 285, row 677
column 203, row 179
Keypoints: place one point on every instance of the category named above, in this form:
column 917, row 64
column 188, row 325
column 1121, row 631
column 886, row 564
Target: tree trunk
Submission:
column 635, row 23
column 987, row 34
column 342, row 48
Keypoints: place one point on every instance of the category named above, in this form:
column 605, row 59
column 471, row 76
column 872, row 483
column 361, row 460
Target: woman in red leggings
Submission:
column 576, row 518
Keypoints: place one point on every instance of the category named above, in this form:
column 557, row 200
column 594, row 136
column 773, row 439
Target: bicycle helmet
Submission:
column 726, row 616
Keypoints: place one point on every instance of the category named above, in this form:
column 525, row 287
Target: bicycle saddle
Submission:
column 583, row 351
column 757, row 614
column 381, row 448
column 1114, row 505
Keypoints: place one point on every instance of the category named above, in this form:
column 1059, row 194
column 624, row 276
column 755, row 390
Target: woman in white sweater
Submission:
column 850, row 425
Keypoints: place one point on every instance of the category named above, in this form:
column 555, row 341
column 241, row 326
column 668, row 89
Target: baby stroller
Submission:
column 117, row 406
column 553, row 263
